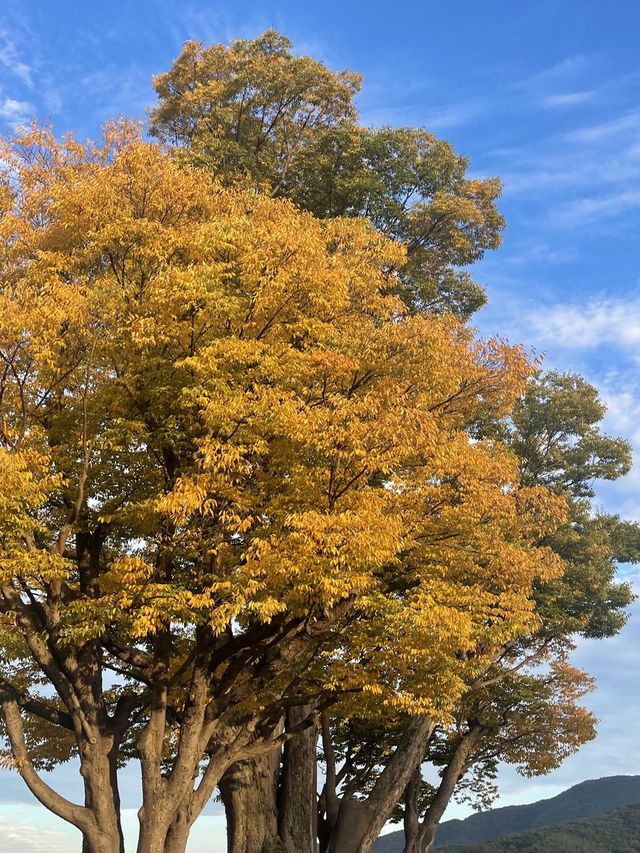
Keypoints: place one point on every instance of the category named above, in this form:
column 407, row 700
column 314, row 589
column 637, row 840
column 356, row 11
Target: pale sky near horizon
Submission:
column 543, row 94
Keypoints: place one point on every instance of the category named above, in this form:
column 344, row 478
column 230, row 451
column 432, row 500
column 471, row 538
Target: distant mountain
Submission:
column 582, row 801
column 613, row 832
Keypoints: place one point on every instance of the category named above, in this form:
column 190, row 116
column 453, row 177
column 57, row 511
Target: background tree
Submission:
column 255, row 114
column 555, row 430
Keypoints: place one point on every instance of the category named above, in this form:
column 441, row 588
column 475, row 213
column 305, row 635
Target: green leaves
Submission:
column 256, row 115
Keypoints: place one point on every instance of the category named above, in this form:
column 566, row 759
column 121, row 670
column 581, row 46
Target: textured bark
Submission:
column 411, row 816
column 297, row 801
column 359, row 822
column 249, row 792
column 99, row 771
column 167, row 798
column 178, row 834
column 329, row 801
column 354, row 819
column 99, row 819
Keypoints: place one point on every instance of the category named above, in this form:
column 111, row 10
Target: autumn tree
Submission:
column 227, row 446
column 536, row 691
column 257, row 115
column 528, row 719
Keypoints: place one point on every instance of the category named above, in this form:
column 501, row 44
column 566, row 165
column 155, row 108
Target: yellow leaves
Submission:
column 256, row 424
column 544, row 511
column 127, row 571
column 26, row 482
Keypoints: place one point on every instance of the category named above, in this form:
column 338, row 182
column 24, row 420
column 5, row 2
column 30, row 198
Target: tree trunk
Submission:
column 98, row 768
column 249, row 792
column 424, row 840
column 412, row 828
column 297, row 796
column 178, row 834
column 428, row 838
column 354, row 819
column 360, row 821
column 153, row 833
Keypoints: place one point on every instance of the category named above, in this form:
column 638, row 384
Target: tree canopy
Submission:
column 257, row 115
column 224, row 441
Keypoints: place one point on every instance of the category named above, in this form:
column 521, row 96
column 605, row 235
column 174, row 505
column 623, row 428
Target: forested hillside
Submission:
column 585, row 800
column 614, row 832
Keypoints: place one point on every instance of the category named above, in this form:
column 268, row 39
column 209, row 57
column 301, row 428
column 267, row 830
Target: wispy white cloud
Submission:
column 561, row 71
column 607, row 129
column 15, row 112
column 564, row 169
column 455, row 115
column 592, row 208
column 31, row 829
column 568, row 99
column 585, row 176
column 11, row 60
column 587, row 325
column 539, row 251
column 438, row 118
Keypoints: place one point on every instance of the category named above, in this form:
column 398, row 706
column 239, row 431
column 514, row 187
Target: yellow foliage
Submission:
column 225, row 385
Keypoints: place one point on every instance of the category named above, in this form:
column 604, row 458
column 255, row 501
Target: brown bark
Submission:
column 99, row 771
column 163, row 795
column 411, row 816
column 420, row 836
column 329, row 802
column 249, row 792
column 360, row 821
column 297, row 803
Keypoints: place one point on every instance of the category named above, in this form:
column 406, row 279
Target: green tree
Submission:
column 555, row 432
column 257, row 115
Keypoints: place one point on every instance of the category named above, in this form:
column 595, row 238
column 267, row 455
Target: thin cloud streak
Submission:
column 568, row 99
column 10, row 59
column 604, row 321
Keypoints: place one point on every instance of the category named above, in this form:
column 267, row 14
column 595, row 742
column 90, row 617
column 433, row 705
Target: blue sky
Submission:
column 543, row 94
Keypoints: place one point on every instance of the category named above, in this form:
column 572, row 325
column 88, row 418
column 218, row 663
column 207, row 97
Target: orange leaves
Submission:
column 259, row 428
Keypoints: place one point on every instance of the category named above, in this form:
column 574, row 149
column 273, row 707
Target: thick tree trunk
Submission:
column 354, row 819
column 153, row 834
column 178, row 834
column 359, row 822
column 249, row 792
column 98, row 768
column 297, row 799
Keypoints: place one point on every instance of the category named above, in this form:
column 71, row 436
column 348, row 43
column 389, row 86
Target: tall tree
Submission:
column 220, row 430
column 556, row 433
column 290, row 128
